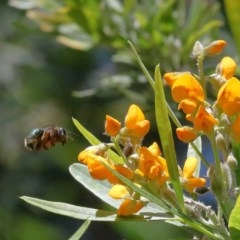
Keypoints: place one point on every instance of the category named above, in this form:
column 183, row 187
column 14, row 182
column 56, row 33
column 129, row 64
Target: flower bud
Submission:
column 186, row 134
column 198, row 49
column 112, row 126
column 216, row 182
column 222, row 143
column 232, row 162
column 214, row 48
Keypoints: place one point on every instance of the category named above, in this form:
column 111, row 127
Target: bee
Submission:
column 45, row 138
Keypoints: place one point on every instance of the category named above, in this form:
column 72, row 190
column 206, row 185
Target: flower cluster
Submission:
column 138, row 167
column 142, row 165
column 218, row 119
column 190, row 92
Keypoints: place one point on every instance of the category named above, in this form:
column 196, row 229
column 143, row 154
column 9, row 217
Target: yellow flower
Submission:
column 135, row 124
column 228, row 97
column 119, row 191
column 186, row 86
column 186, row 134
column 227, row 67
column 188, row 180
column 112, row 126
column 215, row 47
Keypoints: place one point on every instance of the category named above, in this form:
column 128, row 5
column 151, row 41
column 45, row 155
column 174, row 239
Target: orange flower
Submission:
column 186, row 134
column 95, row 157
column 97, row 169
column 186, row 86
column 227, row 67
column 188, row 180
column 99, row 150
column 204, row 121
column 228, row 97
column 130, row 206
column 215, row 47
column 135, row 124
column 112, row 126
column 151, row 165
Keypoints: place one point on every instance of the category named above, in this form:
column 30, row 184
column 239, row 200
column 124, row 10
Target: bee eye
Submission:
column 63, row 131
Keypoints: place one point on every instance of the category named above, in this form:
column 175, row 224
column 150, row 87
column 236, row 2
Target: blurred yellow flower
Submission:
column 228, row 98
column 215, row 47
column 227, row 67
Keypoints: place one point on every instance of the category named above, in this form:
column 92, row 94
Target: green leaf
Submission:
column 236, row 150
column 145, row 71
column 234, row 221
column 79, row 233
column 88, row 135
column 94, row 141
column 90, row 214
column 97, row 187
column 166, row 136
column 72, row 211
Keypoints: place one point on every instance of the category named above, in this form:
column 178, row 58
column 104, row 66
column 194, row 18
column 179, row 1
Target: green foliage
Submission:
column 232, row 9
column 234, row 221
column 160, row 29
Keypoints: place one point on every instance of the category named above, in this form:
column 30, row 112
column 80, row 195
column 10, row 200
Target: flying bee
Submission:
column 45, row 138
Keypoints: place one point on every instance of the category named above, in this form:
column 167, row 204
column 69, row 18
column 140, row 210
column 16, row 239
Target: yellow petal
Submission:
column 186, row 86
column 118, row 191
column 227, row 67
column 193, row 183
column 189, row 167
column 133, row 116
column 228, row 97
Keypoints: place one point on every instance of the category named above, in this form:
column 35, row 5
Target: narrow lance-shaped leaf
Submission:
column 234, row 221
column 94, row 141
column 91, row 214
column 166, row 136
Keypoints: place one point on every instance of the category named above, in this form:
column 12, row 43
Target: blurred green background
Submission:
column 60, row 59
